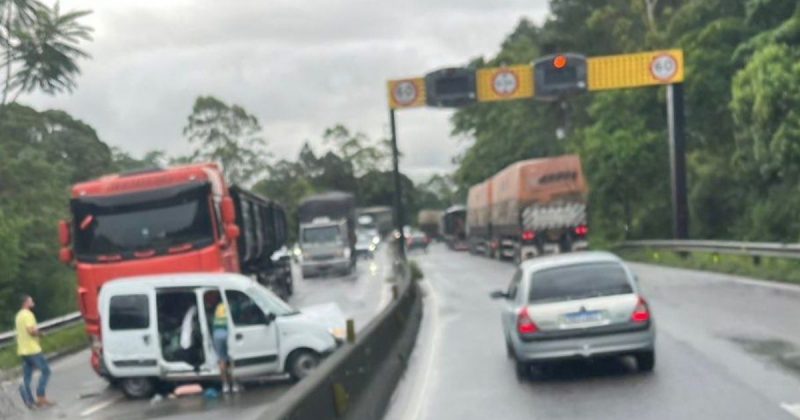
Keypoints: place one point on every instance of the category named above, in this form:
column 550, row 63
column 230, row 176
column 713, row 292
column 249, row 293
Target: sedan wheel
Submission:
column 646, row 361
column 523, row 370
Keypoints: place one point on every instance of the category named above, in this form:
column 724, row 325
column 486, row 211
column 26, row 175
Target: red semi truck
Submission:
column 180, row 219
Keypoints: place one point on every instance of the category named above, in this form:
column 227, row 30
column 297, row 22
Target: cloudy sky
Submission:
column 298, row 65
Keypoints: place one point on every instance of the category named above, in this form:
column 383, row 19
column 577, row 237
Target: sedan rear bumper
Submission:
column 585, row 346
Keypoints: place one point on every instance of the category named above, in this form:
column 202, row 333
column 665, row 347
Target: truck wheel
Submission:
column 300, row 363
column 137, row 388
column 565, row 245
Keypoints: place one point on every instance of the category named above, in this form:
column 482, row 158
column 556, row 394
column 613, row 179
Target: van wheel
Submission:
column 137, row 388
column 301, row 363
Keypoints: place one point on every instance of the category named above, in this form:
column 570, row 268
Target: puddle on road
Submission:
column 779, row 352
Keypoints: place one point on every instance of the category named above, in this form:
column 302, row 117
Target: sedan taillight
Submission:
column 525, row 325
column 641, row 313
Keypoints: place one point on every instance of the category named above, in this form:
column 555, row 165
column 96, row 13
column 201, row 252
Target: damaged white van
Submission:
column 158, row 329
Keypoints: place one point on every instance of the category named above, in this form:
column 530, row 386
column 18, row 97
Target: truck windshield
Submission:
column 321, row 235
column 155, row 221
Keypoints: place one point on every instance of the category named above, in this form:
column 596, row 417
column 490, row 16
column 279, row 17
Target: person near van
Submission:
column 191, row 340
column 220, row 337
column 29, row 349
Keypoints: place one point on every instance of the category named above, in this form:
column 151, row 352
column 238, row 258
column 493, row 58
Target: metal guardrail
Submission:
column 752, row 249
column 9, row 337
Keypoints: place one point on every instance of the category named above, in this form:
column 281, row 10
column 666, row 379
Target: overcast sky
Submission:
column 298, row 65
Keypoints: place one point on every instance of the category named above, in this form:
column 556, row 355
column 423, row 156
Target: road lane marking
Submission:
column 793, row 409
column 418, row 400
column 99, row 406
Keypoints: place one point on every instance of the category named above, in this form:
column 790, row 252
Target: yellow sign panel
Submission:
column 505, row 83
column 406, row 93
column 634, row 70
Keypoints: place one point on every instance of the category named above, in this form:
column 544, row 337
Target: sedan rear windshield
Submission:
column 579, row 281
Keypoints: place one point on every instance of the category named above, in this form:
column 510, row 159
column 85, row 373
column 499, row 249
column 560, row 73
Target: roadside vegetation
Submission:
column 775, row 269
column 65, row 340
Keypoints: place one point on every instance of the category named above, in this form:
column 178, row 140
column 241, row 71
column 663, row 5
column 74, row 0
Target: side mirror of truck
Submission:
column 65, row 255
column 232, row 232
column 228, row 211
column 270, row 318
column 64, row 234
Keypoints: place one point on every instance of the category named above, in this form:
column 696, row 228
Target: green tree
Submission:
column 227, row 134
column 41, row 47
column 359, row 150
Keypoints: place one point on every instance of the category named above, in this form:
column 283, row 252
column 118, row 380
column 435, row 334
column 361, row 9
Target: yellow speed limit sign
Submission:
column 635, row 70
column 505, row 83
column 406, row 93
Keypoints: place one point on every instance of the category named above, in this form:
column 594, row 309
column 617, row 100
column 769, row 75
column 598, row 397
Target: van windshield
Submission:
column 269, row 302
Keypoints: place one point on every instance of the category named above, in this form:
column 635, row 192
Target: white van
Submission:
column 142, row 319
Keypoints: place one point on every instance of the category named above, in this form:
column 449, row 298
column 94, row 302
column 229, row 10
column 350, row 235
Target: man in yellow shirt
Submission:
column 29, row 349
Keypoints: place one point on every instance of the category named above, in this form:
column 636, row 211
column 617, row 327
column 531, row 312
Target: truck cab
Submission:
column 325, row 247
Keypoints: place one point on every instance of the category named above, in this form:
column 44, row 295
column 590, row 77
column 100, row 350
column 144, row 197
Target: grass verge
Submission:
column 64, row 340
column 775, row 269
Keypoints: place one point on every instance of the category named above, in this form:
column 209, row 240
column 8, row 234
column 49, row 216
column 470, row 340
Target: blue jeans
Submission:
column 220, row 337
column 29, row 363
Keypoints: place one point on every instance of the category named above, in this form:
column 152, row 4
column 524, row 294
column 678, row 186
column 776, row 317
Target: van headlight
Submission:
column 338, row 333
column 346, row 253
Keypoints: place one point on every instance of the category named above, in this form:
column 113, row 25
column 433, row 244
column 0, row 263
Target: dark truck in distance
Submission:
column 429, row 221
column 327, row 234
column 454, row 228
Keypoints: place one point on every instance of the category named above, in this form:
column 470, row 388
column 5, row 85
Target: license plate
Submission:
column 583, row 317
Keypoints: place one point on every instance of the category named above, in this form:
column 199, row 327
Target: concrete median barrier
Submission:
column 358, row 380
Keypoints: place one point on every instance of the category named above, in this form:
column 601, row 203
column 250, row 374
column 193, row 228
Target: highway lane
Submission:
column 81, row 394
column 726, row 349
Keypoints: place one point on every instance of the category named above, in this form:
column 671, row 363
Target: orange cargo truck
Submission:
column 535, row 206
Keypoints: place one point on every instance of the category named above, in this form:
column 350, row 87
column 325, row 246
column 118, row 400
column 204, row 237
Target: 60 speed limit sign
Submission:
column 404, row 92
column 407, row 93
column 505, row 83
column 664, row 67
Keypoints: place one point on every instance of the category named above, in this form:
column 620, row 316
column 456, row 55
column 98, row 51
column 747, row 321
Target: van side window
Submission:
column 129, row 312
column 244, row 310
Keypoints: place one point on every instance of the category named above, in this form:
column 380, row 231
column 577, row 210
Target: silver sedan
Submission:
column 579, row 305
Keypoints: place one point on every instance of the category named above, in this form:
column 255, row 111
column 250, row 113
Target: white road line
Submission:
column 99, row 406
column 793, row 409
column 417, row 402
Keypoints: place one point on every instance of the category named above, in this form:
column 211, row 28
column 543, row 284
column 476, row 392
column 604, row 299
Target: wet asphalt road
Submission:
column 82, row 395
column 726, row 349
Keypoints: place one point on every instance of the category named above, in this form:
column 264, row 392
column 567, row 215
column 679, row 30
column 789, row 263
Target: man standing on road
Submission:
column 30, row 350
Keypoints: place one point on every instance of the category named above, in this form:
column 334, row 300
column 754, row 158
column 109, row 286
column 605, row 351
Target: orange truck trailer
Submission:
column 179, row 219
column 529, row 208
